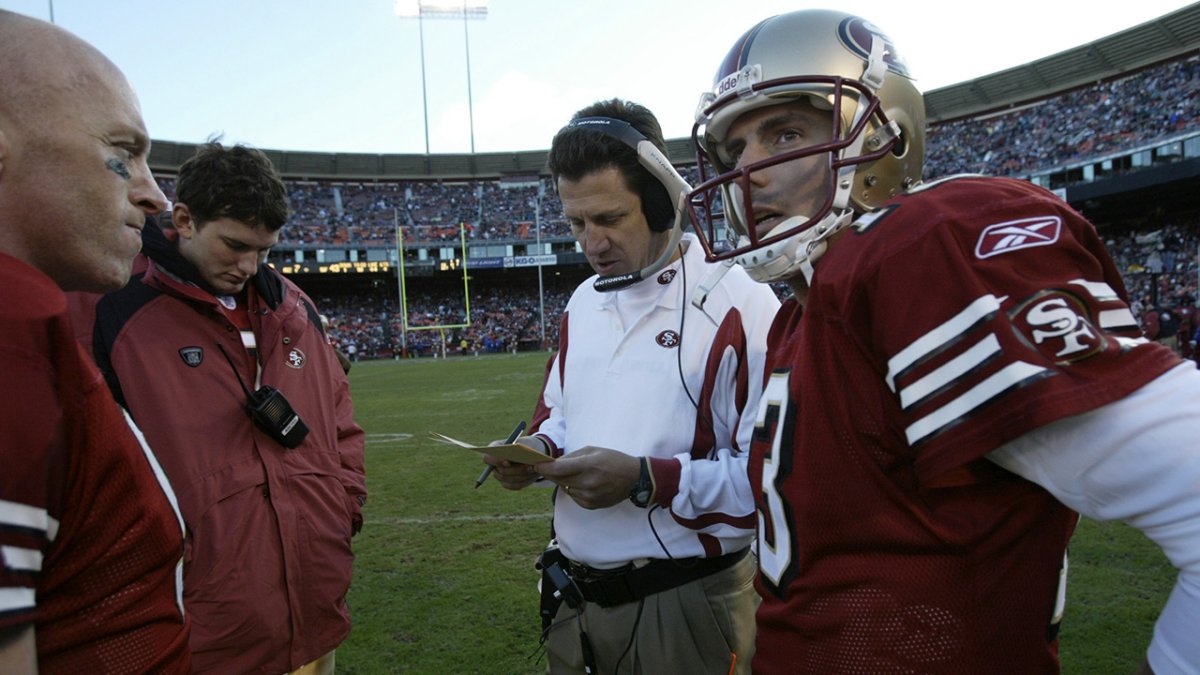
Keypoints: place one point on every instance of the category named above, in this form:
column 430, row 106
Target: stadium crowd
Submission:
column 1150, row 105
column 1159, row 267
column 369, row 325
column 1089, row 122
column 1158, row 260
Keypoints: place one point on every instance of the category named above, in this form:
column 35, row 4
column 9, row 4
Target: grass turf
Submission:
column 444, row 580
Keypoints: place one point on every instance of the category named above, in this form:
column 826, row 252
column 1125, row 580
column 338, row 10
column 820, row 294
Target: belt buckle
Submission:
column 582, row 572
column 579, row 571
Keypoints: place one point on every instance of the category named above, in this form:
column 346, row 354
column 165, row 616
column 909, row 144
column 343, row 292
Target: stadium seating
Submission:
column 1157, row 253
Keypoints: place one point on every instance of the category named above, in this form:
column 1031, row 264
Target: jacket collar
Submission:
column 163, row 250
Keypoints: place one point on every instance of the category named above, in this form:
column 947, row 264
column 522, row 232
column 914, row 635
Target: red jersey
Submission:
column 91, row 546
column 954, row 319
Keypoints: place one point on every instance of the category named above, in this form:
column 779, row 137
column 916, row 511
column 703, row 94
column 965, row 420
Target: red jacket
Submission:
column 268, row 555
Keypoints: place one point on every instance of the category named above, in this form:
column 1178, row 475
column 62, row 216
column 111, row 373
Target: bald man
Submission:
column 91, row 543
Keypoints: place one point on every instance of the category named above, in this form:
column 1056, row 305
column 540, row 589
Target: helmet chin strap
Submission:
column 820, row 244
column 797, row 253
column 710, row 282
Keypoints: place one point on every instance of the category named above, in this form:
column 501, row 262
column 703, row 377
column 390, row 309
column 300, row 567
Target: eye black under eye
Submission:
column 118, row 167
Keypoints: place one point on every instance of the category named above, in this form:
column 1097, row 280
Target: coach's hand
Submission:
column 512, row 475
column 595, row 478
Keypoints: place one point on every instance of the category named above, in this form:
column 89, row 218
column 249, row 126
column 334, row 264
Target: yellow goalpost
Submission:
column 441, row 328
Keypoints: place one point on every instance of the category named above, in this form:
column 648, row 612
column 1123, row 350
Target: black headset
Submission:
column 662, row 199
column 656, row 201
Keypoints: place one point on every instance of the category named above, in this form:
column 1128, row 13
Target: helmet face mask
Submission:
column 841, row 66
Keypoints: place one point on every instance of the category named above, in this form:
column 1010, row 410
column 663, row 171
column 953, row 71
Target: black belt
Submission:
column 612, row 587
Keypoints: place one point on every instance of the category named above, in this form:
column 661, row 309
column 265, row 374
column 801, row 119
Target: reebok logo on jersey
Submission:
column 668, row 339
column 1018, row 234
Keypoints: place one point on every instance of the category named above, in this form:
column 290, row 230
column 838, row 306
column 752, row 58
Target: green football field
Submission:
column 444, row 580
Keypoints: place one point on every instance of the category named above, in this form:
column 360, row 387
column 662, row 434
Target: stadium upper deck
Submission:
column 1162, row 39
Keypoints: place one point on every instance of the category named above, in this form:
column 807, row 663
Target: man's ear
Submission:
column 181, row 218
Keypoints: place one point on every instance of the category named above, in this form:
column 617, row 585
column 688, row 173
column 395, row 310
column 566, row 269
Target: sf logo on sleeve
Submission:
column 1057, row 324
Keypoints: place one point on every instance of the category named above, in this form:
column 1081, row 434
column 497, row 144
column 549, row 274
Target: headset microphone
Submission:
column 618, row 281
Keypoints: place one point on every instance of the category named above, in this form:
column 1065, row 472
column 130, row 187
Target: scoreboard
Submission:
column 359, row 267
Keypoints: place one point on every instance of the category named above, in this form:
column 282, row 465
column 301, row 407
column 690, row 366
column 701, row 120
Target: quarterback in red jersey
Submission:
column 957, row 376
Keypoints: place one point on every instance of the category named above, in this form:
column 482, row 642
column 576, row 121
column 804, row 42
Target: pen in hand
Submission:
column 511, row 437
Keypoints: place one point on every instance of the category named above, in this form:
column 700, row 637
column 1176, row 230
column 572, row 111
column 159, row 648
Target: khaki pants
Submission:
column 696, row 628
column 322, row 666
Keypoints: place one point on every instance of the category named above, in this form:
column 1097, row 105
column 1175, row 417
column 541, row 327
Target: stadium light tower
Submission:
column 444, row 9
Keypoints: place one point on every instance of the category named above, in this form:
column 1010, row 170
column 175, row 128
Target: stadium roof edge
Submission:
column 1166, row 38
column 1163, row 39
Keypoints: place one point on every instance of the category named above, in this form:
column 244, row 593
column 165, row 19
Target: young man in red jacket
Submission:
column 271, row 497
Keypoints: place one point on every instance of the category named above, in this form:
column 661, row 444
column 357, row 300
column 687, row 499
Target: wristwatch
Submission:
column 643, row 490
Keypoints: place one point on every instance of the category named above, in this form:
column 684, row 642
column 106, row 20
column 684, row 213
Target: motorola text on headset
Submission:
column 662, row 201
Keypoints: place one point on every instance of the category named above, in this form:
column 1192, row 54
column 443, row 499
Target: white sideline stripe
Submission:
column 949, row 371
column 973, row 398
column 12, row 599
column 388, row 438
column 31, row 517
column 392, row 520
column 20, row 559
column 939, row 336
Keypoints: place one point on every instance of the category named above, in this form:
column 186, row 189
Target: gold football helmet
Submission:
column 842, row 64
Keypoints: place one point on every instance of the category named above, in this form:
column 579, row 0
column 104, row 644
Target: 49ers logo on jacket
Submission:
column 668, row 339
column 666, row 277
column 1058, row 324
column 296, row 359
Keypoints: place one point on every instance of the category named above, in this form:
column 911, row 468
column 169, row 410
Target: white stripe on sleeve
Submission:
column 28, row 517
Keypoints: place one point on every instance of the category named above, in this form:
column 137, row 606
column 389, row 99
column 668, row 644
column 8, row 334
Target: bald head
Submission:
column 43, row 68
column 75, row 188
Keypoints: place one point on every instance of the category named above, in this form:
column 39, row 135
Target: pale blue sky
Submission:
column 346, row 76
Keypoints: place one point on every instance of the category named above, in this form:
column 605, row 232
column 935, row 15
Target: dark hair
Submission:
column 237, row 182
column 576, row 152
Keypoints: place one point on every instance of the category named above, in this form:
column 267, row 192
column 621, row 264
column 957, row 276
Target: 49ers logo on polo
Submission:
column 666, row 277
column 668, row 339
column 1058, row 324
